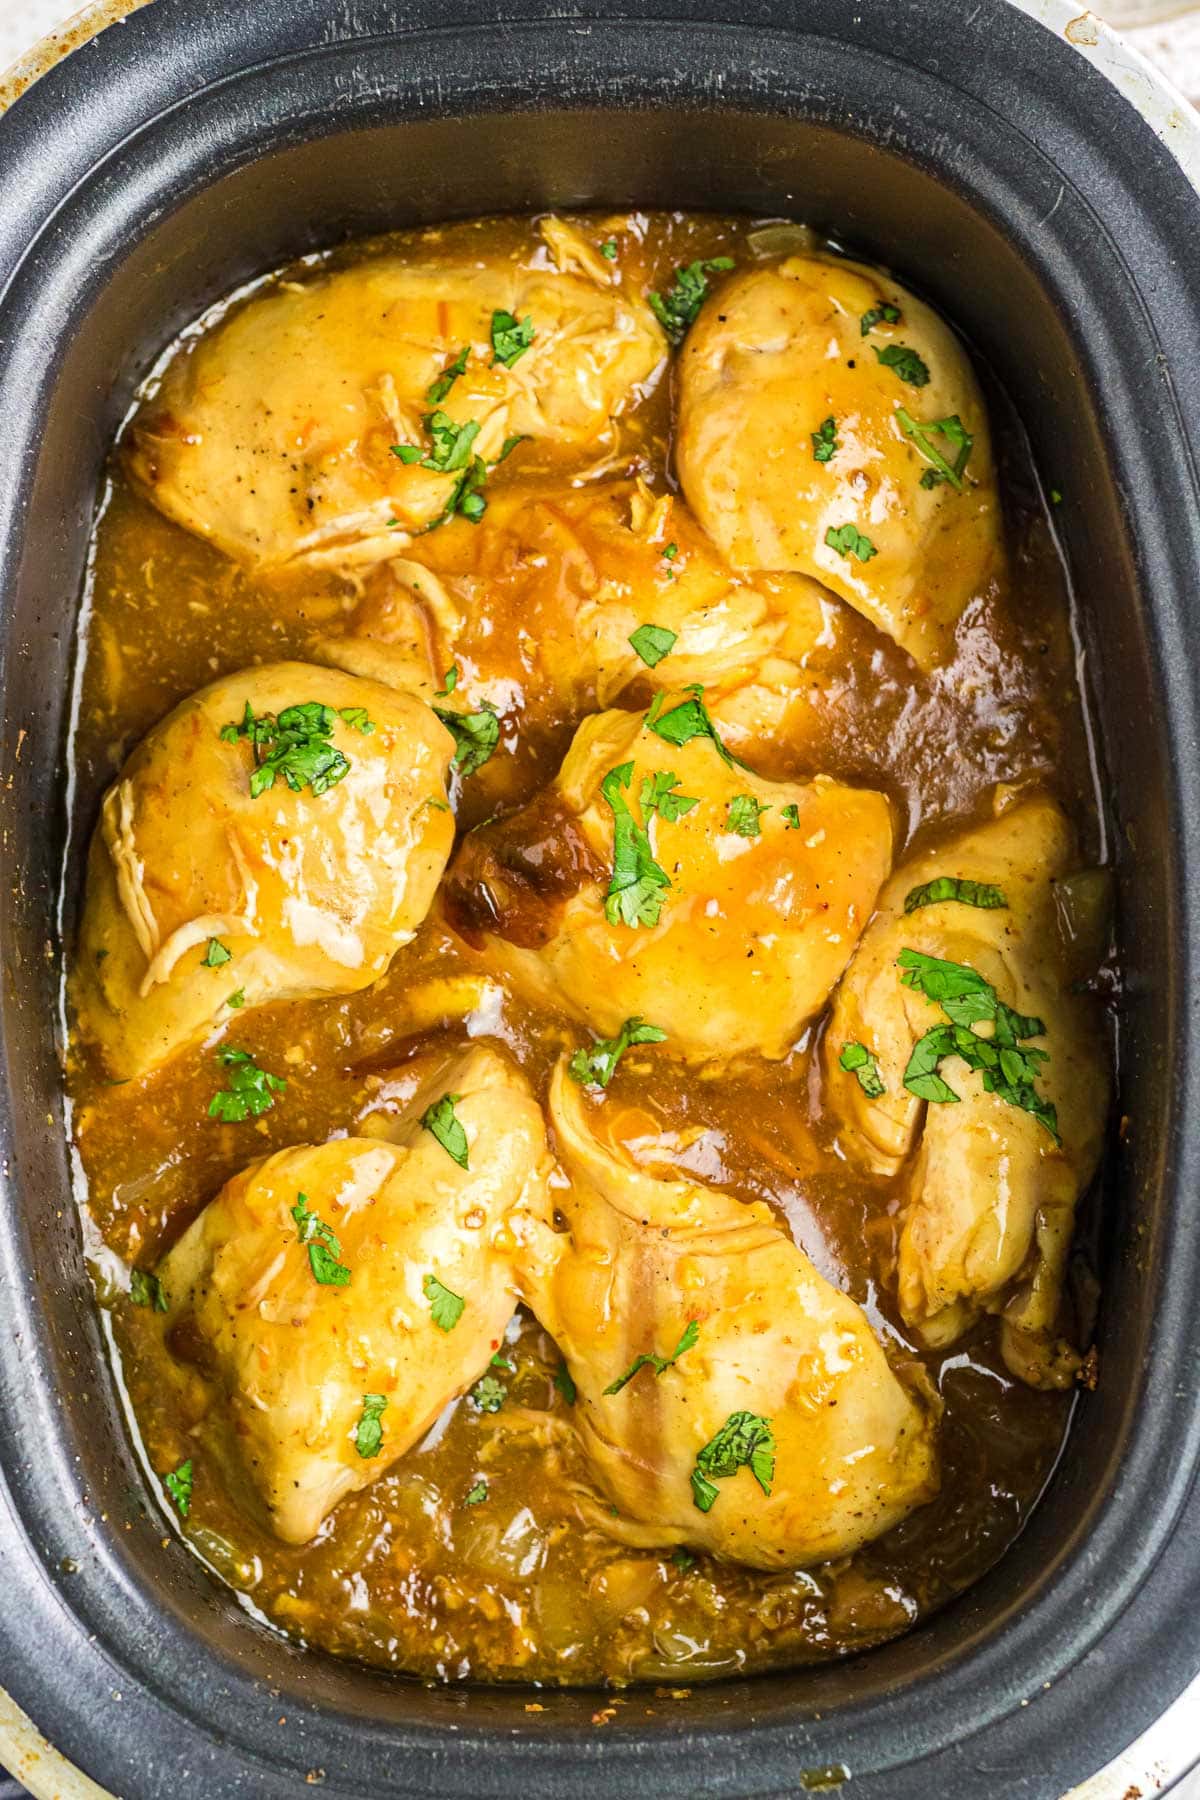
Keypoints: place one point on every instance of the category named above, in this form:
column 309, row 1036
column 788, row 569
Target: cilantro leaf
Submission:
column 251, row 1091
column 923, row 434
column 878, row 315
column 608, row 249
column 596, row 1065
column 683, row 1559
column 857, row 1060
column 791, row 816
column 146, row 1289
column 657, row 795
column 689, row 719
column 179, row 1485
column 744, row 1441
column 449, row 682
column 635, row 889
column 677, row 308
column 295, row 745
column 475, row 734
column 357, row 718
column 950, row 887
column 904, row 363
column 565, row 1383
column 324, row 1250
column 477, row 1494
column 849, row 541
column 488, row 1394
column 237, row 999
column 438, row 389
column 450, row 443
column 824, row 440
column 511, row 338
column 652, row 643
column 447, row 1307
column 744, row 814
column 368, row 1433
column 660, row 1364
column 215, row 955
column 440, row 1119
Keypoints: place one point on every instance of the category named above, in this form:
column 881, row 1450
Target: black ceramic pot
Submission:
column 975, row 153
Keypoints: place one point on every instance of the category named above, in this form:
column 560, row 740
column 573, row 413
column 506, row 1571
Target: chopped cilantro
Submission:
column 950, row 887
column 677, row 308
column 368, row 1433
column 237, row 999
column 1006, row 1065
column 657, row 795
column 215, row 955
column 683, row 1559
column 824, row 440
column 660, row 1364
column 488, row 1394
column 954, row 432
column 744, row 814
column 511, row 338
column 849, row 541
column 564, row 1382
column 744, row 1441
column 608, row 249
column 441, row 1120
column 878, row 315
column 652, row 643
column 357, row 718
column 635, row 894
column 438, row 389
column 450, row 443
column 475, row 735
column 295, row 745
column 904, row 363
column 251, row 1091
column 689, row 719
column 449, row 682
column 477, row 1494
column 146, row 1289
column 179, row 1485
column 857, row 1060
column 791, row 816
column 324, row 1250
column 595, row 1065
column 447, row 1308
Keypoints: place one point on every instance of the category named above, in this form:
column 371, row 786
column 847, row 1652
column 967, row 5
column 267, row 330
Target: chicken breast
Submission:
column 278, row 836
column 572, row 595
column 1000, row 1148
column 829, row 423
column 727, row 1396
column 327, row 419
column 658, row 878
column 339, row 1295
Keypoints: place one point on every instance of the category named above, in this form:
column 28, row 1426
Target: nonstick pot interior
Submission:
column 197, row 146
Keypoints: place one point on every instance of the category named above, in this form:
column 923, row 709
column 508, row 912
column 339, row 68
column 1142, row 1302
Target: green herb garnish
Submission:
column 857, row 1060
column 251, row 1091
column 324, row 1250
column 237, row 999
column 683, row 1559
column 635, row 890
column 215, row 955
column 368, row 1433
column 744, row 1441
column 686, row 721
column 475, row 735
column 565, row 1383
column 595, row 1065
column 849, row 541
column 438, row 389
column 904, row 363
column 447, row 1307
column 488, row 1394
column 677, row 308
column 744, row 814
column 878, row 315
column 449, row 682
column 441, row 1120
column 146, row 1289
column 660, row 1364
column 608, row 249
column 511, row 338
column 296, row 746
column 477, row 1494
column 652, row 643
column 954, row 432
column 824, row 440
column 179, row 1485
column 657, row 795
column 790, row 815
column 950, row 887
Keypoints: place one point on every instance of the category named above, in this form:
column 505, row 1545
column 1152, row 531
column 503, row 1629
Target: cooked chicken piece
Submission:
column 991, row 1190
column 273, row 435
column 726, row 911
column 203, row 895
column 340, row 1294
column 808, row 417
column 648, row 1266
column 552, row 588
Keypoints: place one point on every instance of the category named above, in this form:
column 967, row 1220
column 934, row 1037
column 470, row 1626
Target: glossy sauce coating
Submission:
column 407, row 1573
